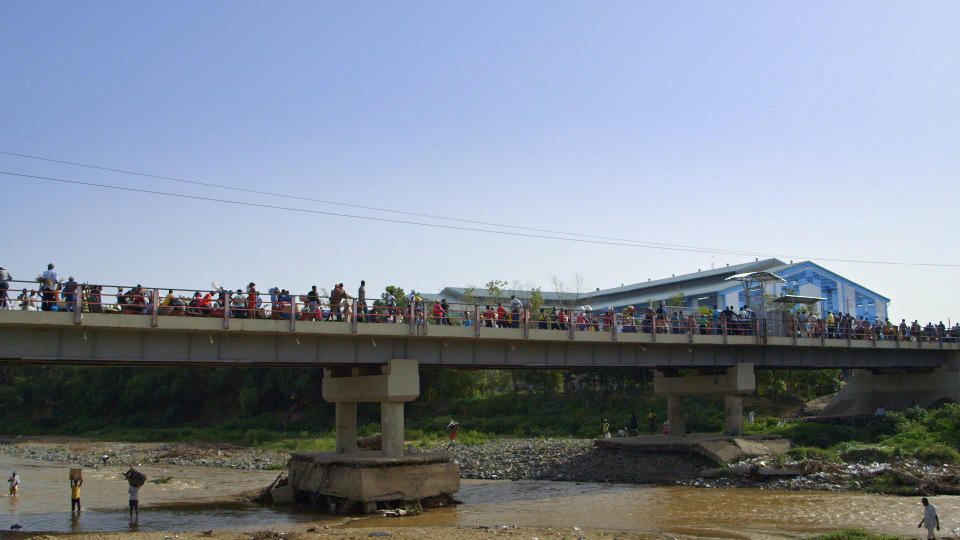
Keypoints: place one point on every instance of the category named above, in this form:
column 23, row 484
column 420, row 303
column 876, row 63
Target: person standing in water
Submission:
column 75, row 495
column 930, row 518
column 134, row 502
column 14, row 482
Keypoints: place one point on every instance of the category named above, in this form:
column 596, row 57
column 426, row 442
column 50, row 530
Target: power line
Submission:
column 379, row 209
column 436, row 225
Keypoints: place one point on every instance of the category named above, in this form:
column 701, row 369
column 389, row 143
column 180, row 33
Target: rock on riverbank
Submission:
column 566, row 459
column 89, row 453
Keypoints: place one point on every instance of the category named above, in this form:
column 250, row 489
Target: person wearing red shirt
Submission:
column 489, row 316
column 562, row 319
column 502, row 317
column 437, row 312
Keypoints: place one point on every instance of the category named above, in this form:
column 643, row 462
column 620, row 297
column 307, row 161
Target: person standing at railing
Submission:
column 515, row 306
column 253, row 301
column 23, row 301
column 336, row 297
column 362, row 301
column 4, row 287
column 48, row 283
column 489, row 317
column 70, row 289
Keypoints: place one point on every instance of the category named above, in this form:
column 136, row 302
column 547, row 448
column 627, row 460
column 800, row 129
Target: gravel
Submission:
column 568, row 459
column 207, row 455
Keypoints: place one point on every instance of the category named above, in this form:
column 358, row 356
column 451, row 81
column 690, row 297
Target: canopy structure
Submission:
column 754, row 284
column 796, row 299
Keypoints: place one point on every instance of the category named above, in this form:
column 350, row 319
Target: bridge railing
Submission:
column 419, row 314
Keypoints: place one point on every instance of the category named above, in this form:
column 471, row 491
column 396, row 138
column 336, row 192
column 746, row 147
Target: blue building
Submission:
column 713, row 288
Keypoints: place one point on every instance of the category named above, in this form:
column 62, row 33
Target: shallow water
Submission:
column 197, row 498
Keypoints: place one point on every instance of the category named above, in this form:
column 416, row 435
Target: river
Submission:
column 202, row 498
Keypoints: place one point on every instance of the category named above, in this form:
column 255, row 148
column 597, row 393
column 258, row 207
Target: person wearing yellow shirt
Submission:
column 75, row 495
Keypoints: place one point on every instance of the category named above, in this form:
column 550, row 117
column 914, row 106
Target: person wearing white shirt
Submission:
column 930, row 518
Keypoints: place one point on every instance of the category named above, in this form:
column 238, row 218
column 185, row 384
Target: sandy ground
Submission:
column 395, row 533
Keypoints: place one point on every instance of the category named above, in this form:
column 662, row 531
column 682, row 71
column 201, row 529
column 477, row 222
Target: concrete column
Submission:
column 391, row 421
column 346, row 423
column 675, row 415
column 733, row 408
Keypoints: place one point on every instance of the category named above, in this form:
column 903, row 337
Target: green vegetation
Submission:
column 282, row 408
column 931, row 436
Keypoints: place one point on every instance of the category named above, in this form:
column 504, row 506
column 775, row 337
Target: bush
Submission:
column 868, row 454
column 805, row 452
column 938, row 454
column 819, row 435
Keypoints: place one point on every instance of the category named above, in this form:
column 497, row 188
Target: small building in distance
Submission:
column 708, row 288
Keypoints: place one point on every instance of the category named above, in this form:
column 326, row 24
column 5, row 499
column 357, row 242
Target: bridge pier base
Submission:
column 352, row 479
column 738, row 380
column 896, row 389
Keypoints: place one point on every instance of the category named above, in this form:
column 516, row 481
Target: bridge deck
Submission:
column 114, row 339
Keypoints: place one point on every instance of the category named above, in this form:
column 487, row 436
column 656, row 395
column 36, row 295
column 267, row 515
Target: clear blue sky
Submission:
column 817, row 129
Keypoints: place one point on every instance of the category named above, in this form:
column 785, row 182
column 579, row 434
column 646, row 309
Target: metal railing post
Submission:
column 613, row 326
column 410, row 310
column 525, row 319
column 570, row 324
column 293, row 313
column 354, row 315
column 226, row 310
column 155, row 316
column 424, row 330
column 476, row 320
column 653, row 327
column 77, row 305
column 723, row 326
column 796, row 330
column 690, row 323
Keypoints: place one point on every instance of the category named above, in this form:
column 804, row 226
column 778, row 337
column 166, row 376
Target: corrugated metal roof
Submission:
column 720, row 273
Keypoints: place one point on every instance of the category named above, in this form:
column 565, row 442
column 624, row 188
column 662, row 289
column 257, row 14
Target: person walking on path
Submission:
column 930, row 518
column 652, row 422
column 134, row 502
column 452, row 429
column 14, row 482
column 75, row 495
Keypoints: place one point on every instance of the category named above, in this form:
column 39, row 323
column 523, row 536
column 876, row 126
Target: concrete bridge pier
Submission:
column 391, row 385
column 737, row 381
column 897, row 389
column 351, row 478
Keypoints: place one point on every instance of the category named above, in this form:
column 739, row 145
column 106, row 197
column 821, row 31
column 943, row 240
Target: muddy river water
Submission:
column 202, row 498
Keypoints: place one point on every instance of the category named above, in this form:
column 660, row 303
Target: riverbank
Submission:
column 345, row 533
column 556, row 460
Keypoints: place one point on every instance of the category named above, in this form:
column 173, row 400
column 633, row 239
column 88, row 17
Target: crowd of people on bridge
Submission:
column 54, row 294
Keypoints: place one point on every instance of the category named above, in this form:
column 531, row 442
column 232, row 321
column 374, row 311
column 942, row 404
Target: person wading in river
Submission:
column 134, row 502
column 75, row 495
column 930, row 518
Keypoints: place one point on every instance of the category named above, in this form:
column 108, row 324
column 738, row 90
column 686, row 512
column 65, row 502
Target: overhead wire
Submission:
column 376, row 208
column 434, row 225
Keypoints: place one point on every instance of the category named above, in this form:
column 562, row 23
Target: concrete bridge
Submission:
column 894, row 373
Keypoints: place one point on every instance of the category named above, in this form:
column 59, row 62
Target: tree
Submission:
column 559, row 288
column 397, row 293
column 495, row 289
column 469, row 295
column 536, row 299
column 579, row 286
column 675, row 299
